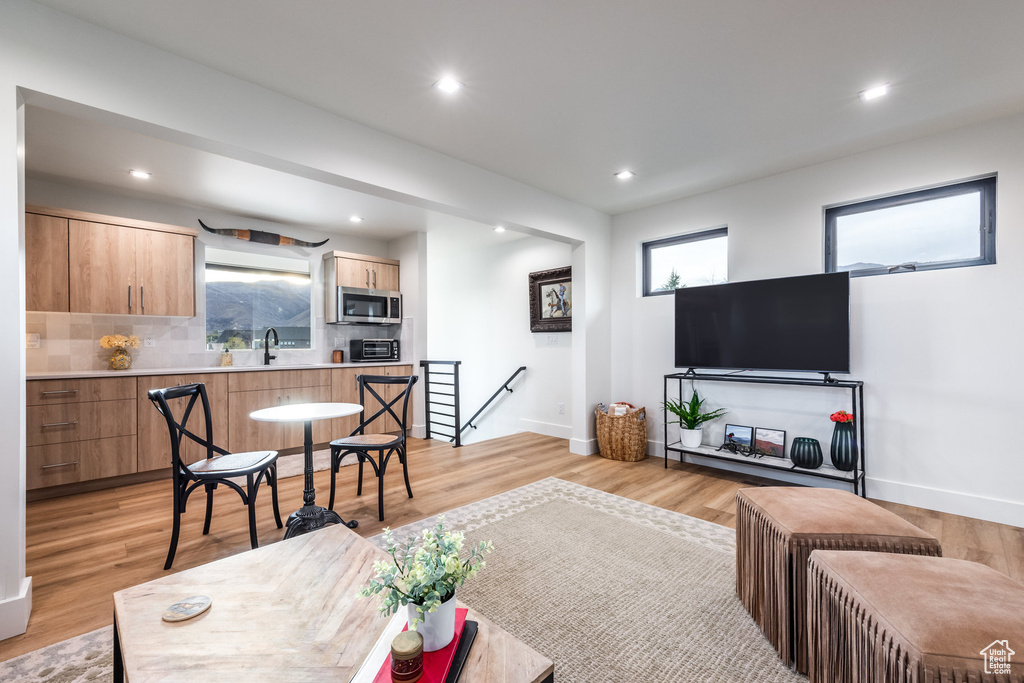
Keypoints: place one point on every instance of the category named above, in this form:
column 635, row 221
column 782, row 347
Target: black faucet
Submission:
column 266, row 345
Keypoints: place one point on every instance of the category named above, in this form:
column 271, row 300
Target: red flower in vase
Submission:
column 841, row 416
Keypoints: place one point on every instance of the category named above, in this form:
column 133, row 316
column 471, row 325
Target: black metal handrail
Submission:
column 430, row 384
column 469, row 422
column 441, row 392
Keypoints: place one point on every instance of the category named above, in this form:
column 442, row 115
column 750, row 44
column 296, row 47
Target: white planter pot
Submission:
column 437, row 627
column 691, row 438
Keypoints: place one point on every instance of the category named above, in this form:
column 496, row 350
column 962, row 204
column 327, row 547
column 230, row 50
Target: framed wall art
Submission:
column 770, row 442
column 551, row 300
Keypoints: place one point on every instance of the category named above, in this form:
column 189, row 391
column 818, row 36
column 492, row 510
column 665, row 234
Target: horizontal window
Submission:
column 699, row 258
column 945, row 227
column 248, row 294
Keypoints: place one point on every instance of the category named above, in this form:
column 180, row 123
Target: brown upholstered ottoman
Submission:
column 882, row 617
column 777, row 527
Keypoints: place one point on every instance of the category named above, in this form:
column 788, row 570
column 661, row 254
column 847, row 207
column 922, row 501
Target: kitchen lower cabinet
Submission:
column 79, row 429
column 346, row 389
column 155, row 438
column 249, row 391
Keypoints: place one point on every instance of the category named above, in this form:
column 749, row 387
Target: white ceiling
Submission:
column 692, row 94
column 79, row 151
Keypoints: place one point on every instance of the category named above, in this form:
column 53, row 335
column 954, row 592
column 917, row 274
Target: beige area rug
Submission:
column 610, row 589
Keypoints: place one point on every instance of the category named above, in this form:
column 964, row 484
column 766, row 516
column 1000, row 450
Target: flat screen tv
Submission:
column 791, row 323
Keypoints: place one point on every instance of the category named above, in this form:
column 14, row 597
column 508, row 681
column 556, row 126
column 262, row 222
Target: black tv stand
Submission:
column 855, row 477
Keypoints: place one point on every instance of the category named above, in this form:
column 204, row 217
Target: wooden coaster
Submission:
column 187, row 608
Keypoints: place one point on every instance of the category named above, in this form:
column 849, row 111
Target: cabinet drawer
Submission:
column 79, row 421
column 78, row 461
column 43, row 392
column 278, row 379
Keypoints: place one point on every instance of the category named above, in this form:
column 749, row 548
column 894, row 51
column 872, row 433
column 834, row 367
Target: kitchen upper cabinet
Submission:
column 357, row 270
column 165, row 272
column 46, row 260
column 111, row 265
column 102, row 265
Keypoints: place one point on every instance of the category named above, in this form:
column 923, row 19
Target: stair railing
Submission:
column 441, row 389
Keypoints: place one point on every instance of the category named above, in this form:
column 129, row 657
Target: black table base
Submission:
column 311, row 516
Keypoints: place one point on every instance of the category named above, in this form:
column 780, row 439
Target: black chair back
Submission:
column 367, row 384
column 178, row 426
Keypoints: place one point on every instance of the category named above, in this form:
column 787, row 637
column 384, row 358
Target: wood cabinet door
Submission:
column 247, row 434
column 400, row 371
column 352, row 272
column 344, row 389
column 46, row 263
column 385, row 276
column 165, row 267
column 102, row 268
column 155, row 438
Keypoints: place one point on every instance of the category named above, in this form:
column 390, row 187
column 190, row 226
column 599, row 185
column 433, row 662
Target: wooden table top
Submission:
column 285, row 612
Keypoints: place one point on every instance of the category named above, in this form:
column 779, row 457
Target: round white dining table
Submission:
column 311, row 516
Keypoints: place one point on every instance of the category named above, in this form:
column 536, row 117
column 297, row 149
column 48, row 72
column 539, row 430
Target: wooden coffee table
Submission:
column 285, row 612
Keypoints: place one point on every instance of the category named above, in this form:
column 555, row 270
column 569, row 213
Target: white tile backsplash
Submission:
column 70, row 341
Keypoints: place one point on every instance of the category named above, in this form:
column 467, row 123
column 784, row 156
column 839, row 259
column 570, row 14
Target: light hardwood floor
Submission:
column 83, row 548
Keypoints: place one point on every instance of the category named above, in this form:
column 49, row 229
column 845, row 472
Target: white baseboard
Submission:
column 583, row 446
column 954, row 502
column 546, row 428
column 418, row 431
column 14, row 612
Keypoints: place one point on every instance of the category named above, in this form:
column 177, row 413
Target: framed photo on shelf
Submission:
column 740, row 435
column 770, row 442
column 551, row 300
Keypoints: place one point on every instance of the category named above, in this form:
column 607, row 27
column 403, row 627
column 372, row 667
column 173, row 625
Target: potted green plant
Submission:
column 691, row 417
column 425, row 577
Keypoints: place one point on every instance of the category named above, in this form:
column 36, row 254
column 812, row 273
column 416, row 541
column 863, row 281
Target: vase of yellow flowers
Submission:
column 425, row 577
column 120, row 359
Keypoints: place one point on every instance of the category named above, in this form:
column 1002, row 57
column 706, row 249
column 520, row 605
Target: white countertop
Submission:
column 147, row 372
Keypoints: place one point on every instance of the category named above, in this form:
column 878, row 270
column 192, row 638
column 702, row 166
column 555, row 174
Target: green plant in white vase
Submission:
column 691, row 416
column 425, row 577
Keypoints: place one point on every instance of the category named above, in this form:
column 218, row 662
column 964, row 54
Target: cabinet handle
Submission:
column 61, row 464
column 142, row 296
column 367, row 278
column 375, row 278
column 62, row 391
column 129, row 297
column 60, row 424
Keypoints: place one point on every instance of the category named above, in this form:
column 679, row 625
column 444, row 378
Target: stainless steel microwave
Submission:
column 354, row 305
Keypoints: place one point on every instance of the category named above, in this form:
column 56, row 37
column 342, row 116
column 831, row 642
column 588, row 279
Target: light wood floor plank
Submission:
column 84, row 547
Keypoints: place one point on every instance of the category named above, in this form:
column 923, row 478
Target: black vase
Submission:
column 806, row 452
column 844, row 447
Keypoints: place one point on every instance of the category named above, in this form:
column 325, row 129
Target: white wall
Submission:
column 478, row 306
column 938, row 350
column 47, row 57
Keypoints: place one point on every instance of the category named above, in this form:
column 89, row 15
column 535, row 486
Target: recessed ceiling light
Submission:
column 355, row 219
column 624, row 175
column 144, row 175
column 499, row 229
column 448, row 84
column 874, row 93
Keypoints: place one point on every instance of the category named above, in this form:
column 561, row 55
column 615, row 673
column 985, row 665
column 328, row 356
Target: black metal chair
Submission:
column 361, row 443
column 217, row 468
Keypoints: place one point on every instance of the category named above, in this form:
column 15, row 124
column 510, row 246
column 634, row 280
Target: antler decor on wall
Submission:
column 261, row 237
